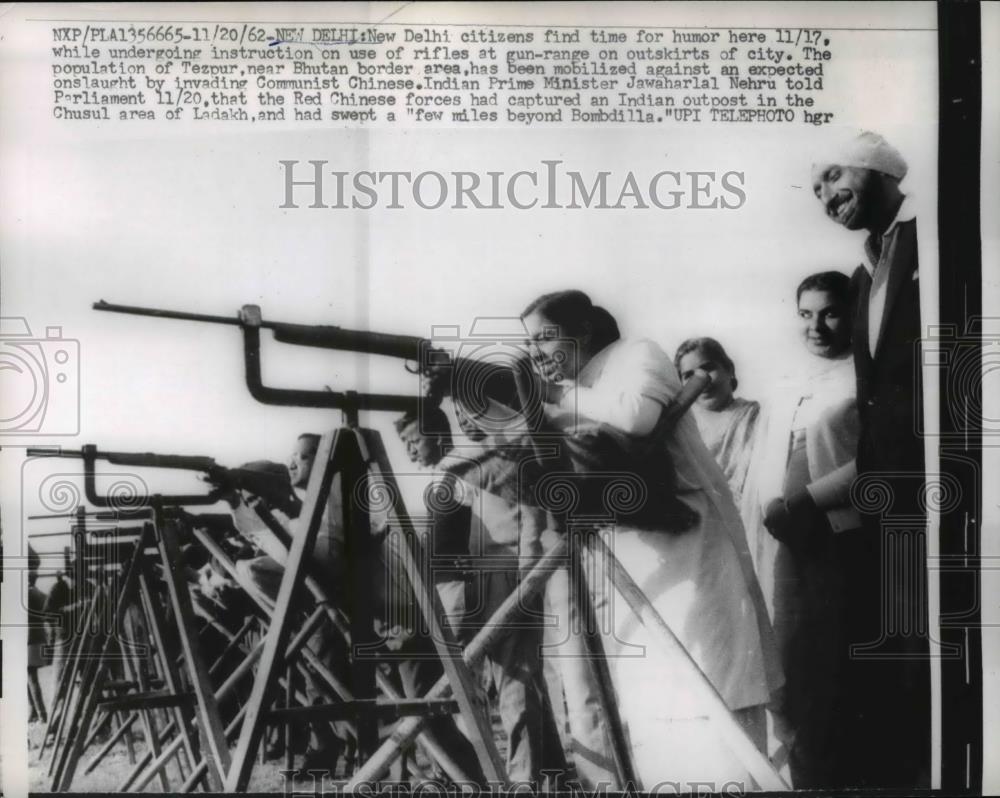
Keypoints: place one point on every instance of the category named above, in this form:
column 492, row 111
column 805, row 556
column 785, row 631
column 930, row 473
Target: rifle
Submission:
column 101, row 515
column 272, row 489
column 495, row 380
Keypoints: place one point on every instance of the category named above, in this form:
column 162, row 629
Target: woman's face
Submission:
column 719, row 392
column 826, row 324
column 558, row 358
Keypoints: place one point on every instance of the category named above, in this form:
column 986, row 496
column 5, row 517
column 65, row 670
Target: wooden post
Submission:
column 73, row 714
column 213, row 739
column 755, row 761
column 114, row 738
column 406, row 730
column 329, row 454
column 290, row 653
column 133, row 672
column 360, row 563
column 67, row 682
column 463, row 685
column 65, row 770
column 597, row 661
column 183, row 716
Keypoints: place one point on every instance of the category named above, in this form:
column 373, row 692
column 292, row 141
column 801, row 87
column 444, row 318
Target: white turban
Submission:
column 867, row 151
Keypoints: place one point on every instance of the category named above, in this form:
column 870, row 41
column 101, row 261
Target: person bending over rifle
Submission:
column 475, row 507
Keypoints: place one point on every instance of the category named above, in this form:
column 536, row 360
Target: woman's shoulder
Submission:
column 639, row 351
column 748, row 408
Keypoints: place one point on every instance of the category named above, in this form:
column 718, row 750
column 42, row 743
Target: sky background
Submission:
column 155, row 216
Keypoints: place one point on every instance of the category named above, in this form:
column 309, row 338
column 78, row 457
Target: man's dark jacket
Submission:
column 889, row 383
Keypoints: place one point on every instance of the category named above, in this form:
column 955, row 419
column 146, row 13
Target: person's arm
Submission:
column 630, row 412
column 834, row 489
column 800, row 520
column 637, row 384
column 253, row 529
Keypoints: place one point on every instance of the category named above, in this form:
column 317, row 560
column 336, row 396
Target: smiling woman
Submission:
column 698, row 575
column 802, row 469
column 824, row 309
column 727, row 423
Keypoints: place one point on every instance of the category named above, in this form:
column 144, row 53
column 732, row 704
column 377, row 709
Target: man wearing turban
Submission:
column 885, row 722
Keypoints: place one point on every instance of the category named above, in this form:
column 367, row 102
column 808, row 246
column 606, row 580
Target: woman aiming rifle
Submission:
column 687, row 550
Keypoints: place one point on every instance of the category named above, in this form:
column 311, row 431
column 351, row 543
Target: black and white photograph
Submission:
column 499, row 398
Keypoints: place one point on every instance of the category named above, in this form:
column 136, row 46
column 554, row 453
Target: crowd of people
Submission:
column 745, row 536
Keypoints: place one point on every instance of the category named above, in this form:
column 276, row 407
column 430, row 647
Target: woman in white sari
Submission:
column 727, row 422
column 699, row 578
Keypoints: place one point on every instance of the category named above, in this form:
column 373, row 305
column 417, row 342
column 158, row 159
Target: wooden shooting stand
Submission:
column 87, row 691
column 358, row 457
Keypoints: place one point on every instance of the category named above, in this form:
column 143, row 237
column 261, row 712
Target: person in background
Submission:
column 323, row 747
column 887, row 736
column 428, row 442
column 474, row 511
column 804, row 466
column 726, row 422
column 60, row 625
column 37, row 641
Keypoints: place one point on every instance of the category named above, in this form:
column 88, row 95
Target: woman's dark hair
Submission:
column 312, row 438
column 837, row 284
column 712, row 348
column 431, row 420
column 577, row 316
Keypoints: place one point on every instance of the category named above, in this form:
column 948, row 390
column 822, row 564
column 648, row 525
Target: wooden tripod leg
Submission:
column 213, row 738
column 171, row 677
column 331, row 450
column 64, row 773
column 598, row 663
column 336, row 688
column 134, row 673
column 67, row 681
column 406, row 730
column 114, row 738
column 100, row 722
column 178, row 718
column 449, row 651
column 120, row 716
column 70, row 724
column 463, row 686
column 728, row 727
column 290, row 656
column 234, row 641
column 289, row 725
column 360, row 553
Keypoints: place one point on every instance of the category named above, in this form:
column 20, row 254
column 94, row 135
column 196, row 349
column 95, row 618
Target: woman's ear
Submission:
column 734, row 382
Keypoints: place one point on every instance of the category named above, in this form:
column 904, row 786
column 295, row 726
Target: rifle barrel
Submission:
column 138, row 459
column 165, row 314
column 34, row 451
column 323, row 336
